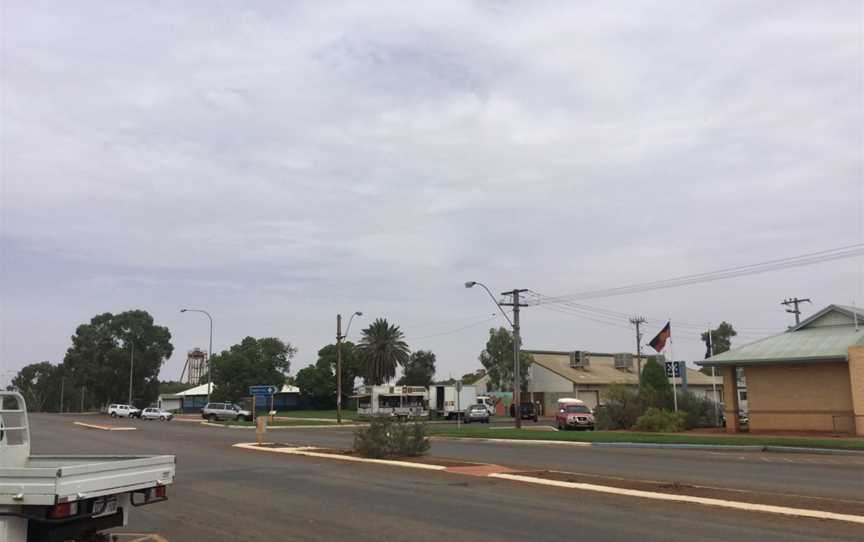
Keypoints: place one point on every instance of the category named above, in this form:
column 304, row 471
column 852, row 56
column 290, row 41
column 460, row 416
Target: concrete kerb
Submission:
column 803, row 450
column 104, row 427
column 648, row 445
column 269, row 427
column 731, row 448
column 515, row 441
column 686, row 499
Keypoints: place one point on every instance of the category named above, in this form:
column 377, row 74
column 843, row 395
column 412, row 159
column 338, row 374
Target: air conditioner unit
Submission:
column 623, row 361
column 579, row 359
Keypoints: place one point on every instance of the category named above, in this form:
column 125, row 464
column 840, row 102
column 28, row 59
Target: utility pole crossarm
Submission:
column 796, row 311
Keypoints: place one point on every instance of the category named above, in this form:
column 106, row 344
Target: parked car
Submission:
column 574, row 414
column 123, row 411
column 527, row 411
column 156, row 414
column 225, row 411
column 477, row 413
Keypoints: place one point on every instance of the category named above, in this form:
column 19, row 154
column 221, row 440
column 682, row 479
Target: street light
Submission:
column 339, row 338
column 473, row 283
column 209, row 351
column 514, row 323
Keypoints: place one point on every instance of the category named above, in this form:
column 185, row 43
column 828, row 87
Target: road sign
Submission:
column 262, row 390
column 674, row 368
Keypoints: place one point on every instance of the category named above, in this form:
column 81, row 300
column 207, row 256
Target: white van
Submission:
column 487, row 402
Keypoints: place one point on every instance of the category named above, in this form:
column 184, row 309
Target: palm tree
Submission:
column 382, row 349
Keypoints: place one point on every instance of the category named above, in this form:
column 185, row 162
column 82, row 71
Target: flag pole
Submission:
column 674, row 365
column 710, row 353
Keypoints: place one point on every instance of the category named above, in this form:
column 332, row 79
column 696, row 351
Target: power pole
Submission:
column 131, row 367
column 795, row 302
column 517, row 375
column 338, row 368
column 638, row 321
column 62, row 385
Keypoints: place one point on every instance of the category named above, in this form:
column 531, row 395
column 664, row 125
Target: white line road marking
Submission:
column 722, row 503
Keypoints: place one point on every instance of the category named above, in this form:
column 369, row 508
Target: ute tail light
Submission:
column 160, row 492
column 63, row 510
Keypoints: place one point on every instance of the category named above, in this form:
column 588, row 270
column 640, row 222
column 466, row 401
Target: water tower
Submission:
column 195, row 368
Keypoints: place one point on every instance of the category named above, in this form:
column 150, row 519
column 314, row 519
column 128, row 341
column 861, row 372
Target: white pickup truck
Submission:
column 57, row 498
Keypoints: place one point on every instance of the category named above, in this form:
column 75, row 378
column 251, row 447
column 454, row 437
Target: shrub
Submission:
column 408, row 439
column 700, row 410
column 656, row 420
column 386, row 437
column 621, row 407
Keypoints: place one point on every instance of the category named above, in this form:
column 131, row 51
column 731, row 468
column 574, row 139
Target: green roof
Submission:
column 825, row 336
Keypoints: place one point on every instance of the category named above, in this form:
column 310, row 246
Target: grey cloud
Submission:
column 282, row 162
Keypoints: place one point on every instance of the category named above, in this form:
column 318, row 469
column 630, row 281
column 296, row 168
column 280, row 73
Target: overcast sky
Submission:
column 276, row 163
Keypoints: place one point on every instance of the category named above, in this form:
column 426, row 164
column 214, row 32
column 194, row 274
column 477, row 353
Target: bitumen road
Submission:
column 224, row 493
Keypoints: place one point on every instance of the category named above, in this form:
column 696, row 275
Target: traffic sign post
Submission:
column 262, row 390
column 676, row 369
column 260, row 394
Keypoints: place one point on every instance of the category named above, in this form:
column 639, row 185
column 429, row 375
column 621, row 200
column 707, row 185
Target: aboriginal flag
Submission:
column 658, row 343
column 709, row 346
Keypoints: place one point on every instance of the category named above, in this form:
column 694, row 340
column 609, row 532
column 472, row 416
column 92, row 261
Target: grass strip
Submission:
column 648, row 438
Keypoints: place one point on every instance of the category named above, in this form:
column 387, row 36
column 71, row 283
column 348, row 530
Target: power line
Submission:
column 621, row 316
column 582, row 315
column 802, row 260
column 452, row 331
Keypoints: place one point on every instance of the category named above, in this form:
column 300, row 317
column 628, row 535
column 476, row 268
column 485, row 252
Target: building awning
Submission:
column 197, row 390
column 824, row 337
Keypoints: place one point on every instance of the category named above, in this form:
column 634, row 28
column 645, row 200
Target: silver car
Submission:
column 156, row 414
column 225, row 411
column 477, row 413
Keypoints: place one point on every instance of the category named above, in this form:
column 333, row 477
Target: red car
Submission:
column 574, row 414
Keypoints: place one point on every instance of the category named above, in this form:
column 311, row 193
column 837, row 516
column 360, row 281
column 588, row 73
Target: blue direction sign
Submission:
column 674, row 368
column 262, row 390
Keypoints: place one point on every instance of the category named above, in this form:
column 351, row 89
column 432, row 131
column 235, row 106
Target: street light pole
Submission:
column 517, row 375
column 209, row 351
column 131, row 366
column 338, row 368
column 339, row 338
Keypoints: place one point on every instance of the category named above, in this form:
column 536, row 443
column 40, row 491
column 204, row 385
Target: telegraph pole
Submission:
column 131, row 366
column 517, row 374
column 795, row 302
column 338, row 368
column 638, row 321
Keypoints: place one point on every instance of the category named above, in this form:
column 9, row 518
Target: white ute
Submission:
column 56, row 498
